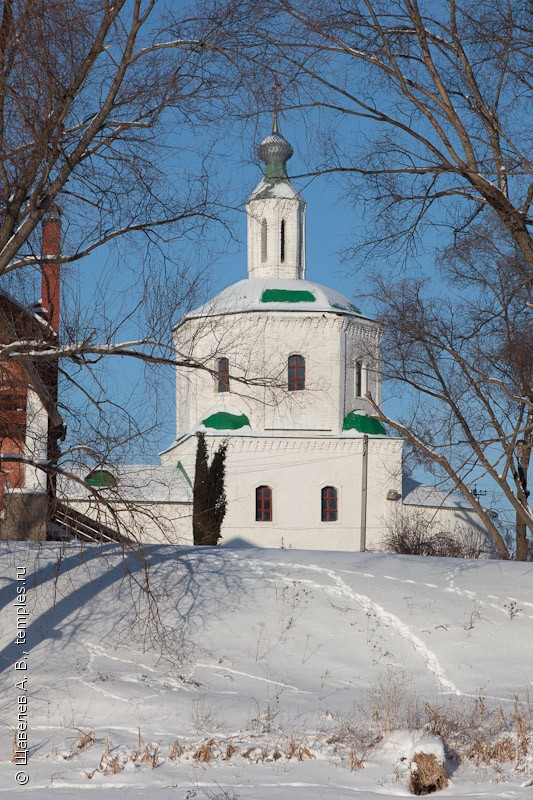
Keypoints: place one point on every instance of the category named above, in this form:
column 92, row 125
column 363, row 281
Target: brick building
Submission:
column 30, row 426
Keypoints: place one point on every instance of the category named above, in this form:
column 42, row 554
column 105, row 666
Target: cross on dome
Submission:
column 275, row 92
column 275, row 150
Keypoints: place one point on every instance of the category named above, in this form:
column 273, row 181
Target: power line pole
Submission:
column 364, row 493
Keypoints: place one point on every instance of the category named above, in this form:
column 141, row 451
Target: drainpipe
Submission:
column 364, row 494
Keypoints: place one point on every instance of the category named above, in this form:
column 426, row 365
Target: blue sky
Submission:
column 108, row 277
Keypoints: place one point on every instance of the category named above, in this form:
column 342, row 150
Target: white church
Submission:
column 287, row 364
column 290, row 362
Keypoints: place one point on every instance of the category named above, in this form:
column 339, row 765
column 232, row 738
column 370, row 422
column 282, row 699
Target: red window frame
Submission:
column 223, row 375
column 296, row 373
column 263, row 504
column 329, row 504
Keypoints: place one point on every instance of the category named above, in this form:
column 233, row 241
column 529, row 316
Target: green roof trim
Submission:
column 224, row 421
column 181, row 468
column 287, row 296
column 101, row 479
column 349, row 307
column 364, row 424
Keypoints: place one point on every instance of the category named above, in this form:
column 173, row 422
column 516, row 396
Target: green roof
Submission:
column 287, row 296
column 364, row 424
column 101, row 479
column 224, row 421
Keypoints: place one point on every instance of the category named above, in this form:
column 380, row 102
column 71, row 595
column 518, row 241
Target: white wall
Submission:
column 362, row 342
column 296, row 468
column 147, row 523
column 257, row 346
column 36, row 445
column 291, row 210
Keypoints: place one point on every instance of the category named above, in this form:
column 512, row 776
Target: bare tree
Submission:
column 438, row 94
column 417, row 532
column 462, row 360
column 86, row 95
column 422, row 108
column 108, row 112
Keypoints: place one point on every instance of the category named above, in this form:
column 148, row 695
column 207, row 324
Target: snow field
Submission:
column 219, row 673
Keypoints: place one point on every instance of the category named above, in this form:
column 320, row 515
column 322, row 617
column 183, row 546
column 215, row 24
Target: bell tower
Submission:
column 276, row 216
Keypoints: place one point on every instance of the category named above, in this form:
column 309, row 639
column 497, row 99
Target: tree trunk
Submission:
column 523, row 453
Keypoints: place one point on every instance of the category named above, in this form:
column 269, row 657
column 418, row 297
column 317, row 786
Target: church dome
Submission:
column 276, row 294
column 275, row 148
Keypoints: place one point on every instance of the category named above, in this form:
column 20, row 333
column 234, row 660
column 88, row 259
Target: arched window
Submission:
column 359, row 378
column 263, row 504
column 329, row 504
column 222, row 375
column 296, row 373
column 264, row 231
column 282, row 241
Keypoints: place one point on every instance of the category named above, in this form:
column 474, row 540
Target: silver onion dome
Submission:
column 275, row 151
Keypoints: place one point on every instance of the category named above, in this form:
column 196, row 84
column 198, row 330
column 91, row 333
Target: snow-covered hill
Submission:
column 251, row 674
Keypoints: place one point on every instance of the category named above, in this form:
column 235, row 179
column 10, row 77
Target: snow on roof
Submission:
column 418, row 494
column 140, row 482
column 19, row 322
column 283, row 189
column 277, row 294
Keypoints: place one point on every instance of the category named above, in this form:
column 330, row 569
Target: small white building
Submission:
column 142, row 502
column 286, row 364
